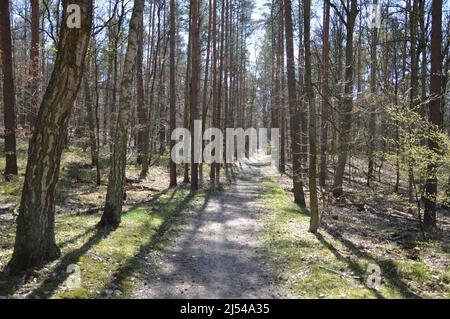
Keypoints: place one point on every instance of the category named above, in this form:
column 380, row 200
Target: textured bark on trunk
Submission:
column 35, row 238
column 9, row 95
column 435, row 111
column 313, row 203
column 299, row 196
column 114, row 197
column 173, row 92
column 187, row 90
column 215, row 102
column 206, row 88
column 195, row 84
column 282, row 109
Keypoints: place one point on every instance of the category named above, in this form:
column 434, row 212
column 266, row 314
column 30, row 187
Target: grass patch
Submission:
column 108, row 261
column 326, row 266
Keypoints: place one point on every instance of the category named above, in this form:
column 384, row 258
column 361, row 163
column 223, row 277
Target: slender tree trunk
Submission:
column 299, row 196
column 187, row 90
column 115, row 193
column 35, row 236
column 313, row 203
column 173, row 92
column 206, row 88
column 220, row 80
column 215, row 102
column 435, row 111
column 325, row 93
column 282, row 119
column 372, row 104
column 195, row 83
column 9, row 95
column 347, row 107
column 142, row 111
column 413, row 83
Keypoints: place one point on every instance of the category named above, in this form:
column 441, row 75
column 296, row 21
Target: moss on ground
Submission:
column 108, row 261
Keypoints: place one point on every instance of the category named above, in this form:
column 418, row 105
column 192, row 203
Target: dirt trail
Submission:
column 216, row 253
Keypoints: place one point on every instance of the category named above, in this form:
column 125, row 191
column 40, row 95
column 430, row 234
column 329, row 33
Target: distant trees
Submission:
column 9, row 95
column 35, row 235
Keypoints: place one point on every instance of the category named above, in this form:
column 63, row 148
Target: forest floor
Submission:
column 246, row 239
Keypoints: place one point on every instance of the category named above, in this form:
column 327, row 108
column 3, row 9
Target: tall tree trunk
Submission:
column 414, row 86
column 372, row 103
column 435, row 111
column 313, row 203
column 299, row 196
column 220, row 80
column 325, row 93
column 206, row 88
column 34, row 61
column 115, row 193
column 215, row 102
column 173, row 92
column 9, row 95
column 142, row 111
column 187, row 90
column 35, row 235
column 195, row 84
column 347, row 107
column 282, row 119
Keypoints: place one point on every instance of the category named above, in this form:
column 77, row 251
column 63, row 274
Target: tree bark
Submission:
column 35, row 237
column 435, row 111
column 325, row 93
column 282, row 119
column 313, row 203
column 173, row 92
column 115, row 193
column 299, row 196
column 195, row 83
column 9, row 95
column 215, row 102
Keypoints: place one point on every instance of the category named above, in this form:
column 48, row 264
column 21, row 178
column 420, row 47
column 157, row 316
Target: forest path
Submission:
column 216, row 253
